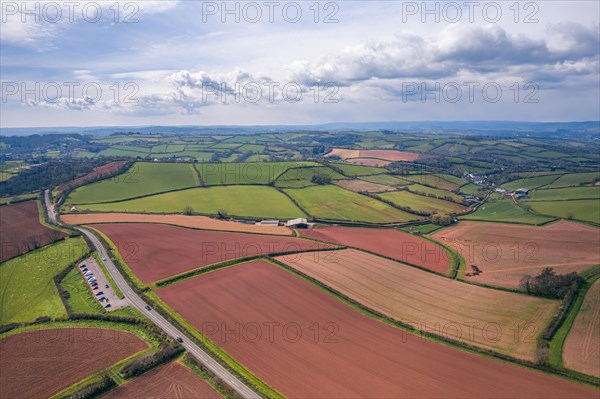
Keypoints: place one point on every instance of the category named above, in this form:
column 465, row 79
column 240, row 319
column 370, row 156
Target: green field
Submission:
column 588, row 210
column 351, row 170
column 389, row 180
column 142, row 178
column 503, row 210
column 421, row 203
column 81, row 299
column 575, row 179
column 335, row 203
column 27, row 289
column 301, row 177
column 214, row 174
column 419, row 189
column 432, row 181
column 530, row 182
column 469, row 189
column 567, row 193
column 249, row 201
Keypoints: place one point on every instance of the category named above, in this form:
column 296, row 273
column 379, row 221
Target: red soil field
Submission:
column 155, row 251
column 305, row 343
column 22, row 231
column 170, row 381
column 389, row 155
column 41, row 363
column 507, row 252
column 98, row 172
column 387, row 242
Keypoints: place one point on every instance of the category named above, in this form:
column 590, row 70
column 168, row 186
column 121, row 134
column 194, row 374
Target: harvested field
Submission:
column 432, row 303
column 387, row 155
column 198, row 222
column 352, row 355
column 387, row 242
column 369, row 162
column 155, row 251
column 170, row 381
column 361, row 185
column 98, row 173
column 507, row 252
column 581, row 350
column 41, row 363
column 22, row 230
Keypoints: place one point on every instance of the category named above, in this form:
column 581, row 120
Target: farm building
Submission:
column 299, row 223
column 269, row 223
column 521, row 193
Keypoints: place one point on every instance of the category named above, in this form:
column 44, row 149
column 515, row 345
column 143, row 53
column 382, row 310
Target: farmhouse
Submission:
column 299, row 223
column 269, row 223
column 521, row 193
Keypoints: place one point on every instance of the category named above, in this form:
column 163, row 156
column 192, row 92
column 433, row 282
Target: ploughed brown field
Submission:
column 267, row 319
column 170, row 381
column 198, row 222
column 388, row 155
column 387, row 242
column 507, row 252
column 158, row 251
column 478, row 316
column 581, row 350
column 22, row 231
column 41, row 363
column 361, row 185
column 98, row 172
column 369, row 162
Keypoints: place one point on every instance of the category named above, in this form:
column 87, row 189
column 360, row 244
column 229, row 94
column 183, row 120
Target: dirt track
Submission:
column 157, row 251
column 352, row 356
column 507, row 252
column 581, row 350
column 18, row 222
column 391, row 243
column 170, row 381
column 198, row 222
column 39, row 364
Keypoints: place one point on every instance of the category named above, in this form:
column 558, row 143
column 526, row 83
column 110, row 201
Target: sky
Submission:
column 106, row 63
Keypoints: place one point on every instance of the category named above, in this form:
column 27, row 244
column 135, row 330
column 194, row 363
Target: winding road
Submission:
column 136, row 301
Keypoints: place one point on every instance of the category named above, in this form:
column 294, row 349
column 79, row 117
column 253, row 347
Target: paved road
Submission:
column 136, row 301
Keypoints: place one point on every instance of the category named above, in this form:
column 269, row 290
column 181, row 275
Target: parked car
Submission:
column 106, row 286
column 100, row 293
column 104, row 258
column 102, row 298
column 107, row 305
column 82, row 266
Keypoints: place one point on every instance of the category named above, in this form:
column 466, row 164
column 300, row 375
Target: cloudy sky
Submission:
column 85, row 63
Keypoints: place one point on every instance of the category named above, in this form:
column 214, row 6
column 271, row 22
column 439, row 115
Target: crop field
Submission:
column 369, row 162
column 301, row 177
column 507, row 252
column 387, row 242
column 357, row 185
column 181, row 249
column 503, row 210
column 575, row 179
column 22, row 230
column 249, row 201
column 98, row 172
column 567, row 193
column 530, row 182
column 43, row 362
column 581, row 350
column 422, row 203
column 197, row 222
column 357, row 170
column 386, row 179
column 143, row 178
column 443, row 194
column 170, row 381
column 27, row 289
column 213, row 174
column 336, row 203
column 352, row 355
column 587, row 210
column 432, row 180
column 432, row 303
column 388, row 155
